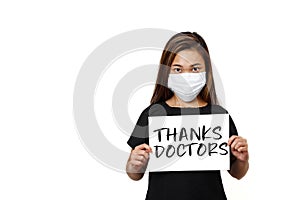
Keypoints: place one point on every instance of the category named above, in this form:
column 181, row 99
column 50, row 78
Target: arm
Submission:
column 239, row 149
column 137, row 162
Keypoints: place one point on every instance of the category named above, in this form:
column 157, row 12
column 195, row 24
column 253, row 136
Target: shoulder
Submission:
column 151, row 110
column 215, row 109
column 156, row 109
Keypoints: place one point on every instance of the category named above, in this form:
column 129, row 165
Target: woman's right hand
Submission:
column 138, row 159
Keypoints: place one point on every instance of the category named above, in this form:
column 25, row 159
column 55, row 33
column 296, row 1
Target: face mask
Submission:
column 187, row 85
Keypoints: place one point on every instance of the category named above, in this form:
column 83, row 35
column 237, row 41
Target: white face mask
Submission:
column 187, row 85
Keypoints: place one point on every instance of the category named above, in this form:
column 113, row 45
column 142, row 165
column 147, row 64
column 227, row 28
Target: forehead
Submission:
column 189, row 55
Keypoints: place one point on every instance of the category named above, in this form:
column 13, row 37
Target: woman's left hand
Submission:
column 239, row 147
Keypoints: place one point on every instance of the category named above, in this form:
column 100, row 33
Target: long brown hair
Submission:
column 179, row 42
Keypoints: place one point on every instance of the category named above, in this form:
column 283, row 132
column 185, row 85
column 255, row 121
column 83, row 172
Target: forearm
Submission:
column 239, row 169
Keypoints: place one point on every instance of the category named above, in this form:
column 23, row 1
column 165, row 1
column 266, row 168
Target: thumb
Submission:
column 144, row 146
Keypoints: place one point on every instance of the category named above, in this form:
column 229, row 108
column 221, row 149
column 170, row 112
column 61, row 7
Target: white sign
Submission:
column 189, row 142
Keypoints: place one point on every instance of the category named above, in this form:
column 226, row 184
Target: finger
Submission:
column 238, row 140
column 242, row 149
column 144, row 147
column 146, row 155
column 139, row 158
column 240, row 144
column 141, row 152
column 140, row 155
column 136, row 163
column 235, row 148
column 234, row 142
column 231, row 139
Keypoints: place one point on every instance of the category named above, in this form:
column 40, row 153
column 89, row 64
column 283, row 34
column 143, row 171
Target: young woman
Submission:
column 184, row 86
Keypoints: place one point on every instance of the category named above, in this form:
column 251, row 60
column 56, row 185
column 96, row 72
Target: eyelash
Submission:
column 194, row 69
column 177, row 69
column 197, row 68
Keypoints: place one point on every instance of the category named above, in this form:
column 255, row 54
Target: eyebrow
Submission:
column 196, row 64
column 178, row 65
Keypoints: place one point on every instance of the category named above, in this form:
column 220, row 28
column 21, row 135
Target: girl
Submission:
column 184, row 86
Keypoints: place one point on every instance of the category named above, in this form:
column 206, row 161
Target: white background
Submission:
column 255, row 46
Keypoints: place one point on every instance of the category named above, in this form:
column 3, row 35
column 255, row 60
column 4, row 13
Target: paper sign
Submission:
column 189, row 142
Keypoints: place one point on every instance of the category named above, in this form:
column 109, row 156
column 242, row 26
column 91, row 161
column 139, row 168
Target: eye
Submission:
column 196, row 69
column 177, row 69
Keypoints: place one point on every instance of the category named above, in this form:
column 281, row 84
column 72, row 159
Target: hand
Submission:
column 138, row 158
column 239, row 147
